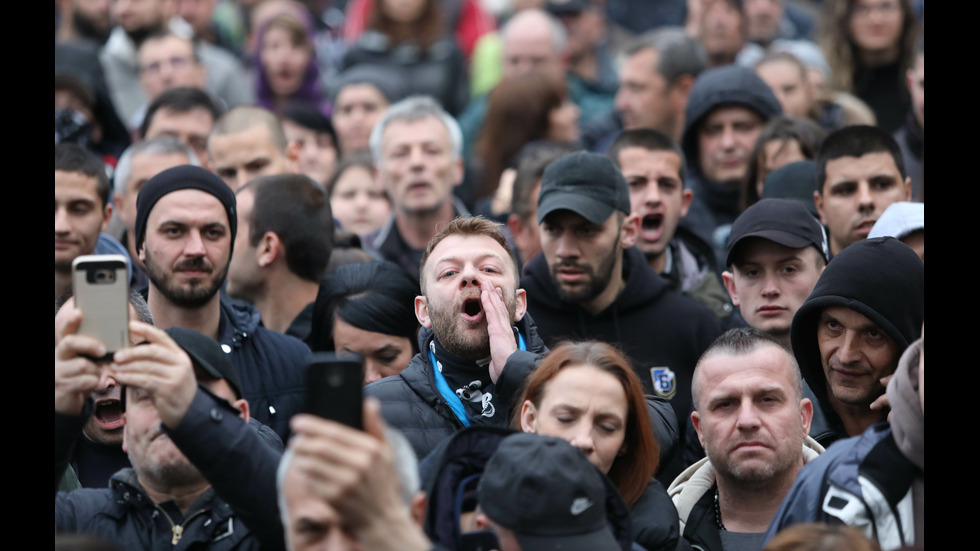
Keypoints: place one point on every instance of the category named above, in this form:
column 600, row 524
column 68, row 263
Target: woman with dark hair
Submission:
column 520, row 110
column 286, row 66
column 869, row 45
column 367, row 308
column 408, row 39
column 357, row 199
column 783, row 140
column 587, row 393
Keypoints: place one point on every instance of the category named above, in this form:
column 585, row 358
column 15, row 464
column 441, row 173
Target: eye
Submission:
column 875, row 333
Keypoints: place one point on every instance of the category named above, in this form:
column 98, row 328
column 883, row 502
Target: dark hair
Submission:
column 740, row 341
column 468, row 225
column 360, row 159
column 856, row 141
column 424, row 31
column 311, row 118
column 180, row 100
column 295, row 208
column 70, row 157
column 518, row 112
column 632, row 471
column 783, row 128
column 532, row 160
column 376, row 296
column 649, row 139
column 678, row 53
column 841, row 51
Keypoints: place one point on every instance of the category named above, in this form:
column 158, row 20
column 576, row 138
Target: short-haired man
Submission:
column 248, row 142
column 787, row 77
column 726, row 111
column 187, row 436
column 752, row 419
column 186, row 114
column 329, row 498
column 167, row 60
column 416, row 148
column 360, row 96
column 590, row 282
column 654, row 168
column 523, row 218
column 186, row 225
column 285, row 236
column 81, row 208
column 136, row 166
column 477, row 344
column 850, row 332
column 721, row 25
column 860, row 172
column 776, row 253
column 656, row 80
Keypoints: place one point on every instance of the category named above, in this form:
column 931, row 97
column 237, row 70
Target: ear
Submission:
column 269, row 249
column 458, row 172
column 521, row 300
column 516, row 227
column 680, row 91
column 630, row 231
column 908, row 188
column 696, row 421
column 141, row 253
column 118, row 201
column 242, row 405
column 818, row 199
column 417, row 507
column 729, row 279
column 529, row 417
column 422, row 312
column 686, row 197
column 806, row 410
column 292, row 156
column 107, row 216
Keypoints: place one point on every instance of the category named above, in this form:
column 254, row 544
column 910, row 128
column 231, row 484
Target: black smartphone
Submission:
column 482, row 540
column 101, row 290
column 333, row 387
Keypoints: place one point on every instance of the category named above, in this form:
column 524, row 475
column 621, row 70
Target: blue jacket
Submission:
column 864, row 482
column 269, row 363
column 238, row 512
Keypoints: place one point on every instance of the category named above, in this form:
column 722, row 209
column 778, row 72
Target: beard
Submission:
column 89, row 28
column 451, row 329
column 193, row 295
column 599, row 278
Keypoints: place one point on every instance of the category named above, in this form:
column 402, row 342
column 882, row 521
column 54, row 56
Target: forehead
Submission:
column 165, row 46
column 645, row 61
column 75, row 185
column 858, row 168
column 425, row 130
column 641, row 159
column 146, row 165
column 779, row 69
column 529, row 40
column 187, row 205
column 850, row 319
column 168, row 121
column 767, row 365
column 360, row 93
column 585, row 375
column 731, row 114
column 463, row 248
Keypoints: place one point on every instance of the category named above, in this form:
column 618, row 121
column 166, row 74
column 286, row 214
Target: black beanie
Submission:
column 880, row 278
column 176, row 179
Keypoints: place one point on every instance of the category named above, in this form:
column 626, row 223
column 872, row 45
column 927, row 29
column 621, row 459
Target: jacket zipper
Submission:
column 177, row 530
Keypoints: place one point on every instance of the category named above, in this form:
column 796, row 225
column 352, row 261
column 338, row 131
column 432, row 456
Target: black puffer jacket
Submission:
column 411, row 403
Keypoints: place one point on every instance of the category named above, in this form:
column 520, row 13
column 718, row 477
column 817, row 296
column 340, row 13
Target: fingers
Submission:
column 66, row 322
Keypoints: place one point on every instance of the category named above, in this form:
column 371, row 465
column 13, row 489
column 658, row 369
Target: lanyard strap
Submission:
column 443, row 387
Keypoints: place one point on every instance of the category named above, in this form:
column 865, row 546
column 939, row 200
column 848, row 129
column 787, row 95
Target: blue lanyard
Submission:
column 443, row 387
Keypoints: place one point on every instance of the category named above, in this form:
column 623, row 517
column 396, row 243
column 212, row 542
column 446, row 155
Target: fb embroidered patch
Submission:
column 664, row 382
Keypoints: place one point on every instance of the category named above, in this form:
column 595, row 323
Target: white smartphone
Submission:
column 101, row 290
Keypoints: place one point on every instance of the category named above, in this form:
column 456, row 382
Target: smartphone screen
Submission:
column 333, row 387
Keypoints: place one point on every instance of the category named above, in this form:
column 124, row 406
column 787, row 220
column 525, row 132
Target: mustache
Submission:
column 195, row 264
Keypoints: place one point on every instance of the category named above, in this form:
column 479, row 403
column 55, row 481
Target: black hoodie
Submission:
column 658, row 329
column 881, row 279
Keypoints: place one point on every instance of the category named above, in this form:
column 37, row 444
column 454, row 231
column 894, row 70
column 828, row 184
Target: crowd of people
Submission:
column 619, row 274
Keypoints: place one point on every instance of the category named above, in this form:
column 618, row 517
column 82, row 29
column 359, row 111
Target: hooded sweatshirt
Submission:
column 716, row 205
column 661, row 332
column 881, row 279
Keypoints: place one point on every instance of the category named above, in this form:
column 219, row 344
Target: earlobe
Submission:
column 107, row 216
column 529, row 417
column 631, row 231
column 696, row 421
column 422, row 312
column 818, row 200
column 521, row 302
column 729, row 280
column 268, row 249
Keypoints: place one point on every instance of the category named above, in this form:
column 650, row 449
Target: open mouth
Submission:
column 653, row 226
column 108, row 413
column 472, row 309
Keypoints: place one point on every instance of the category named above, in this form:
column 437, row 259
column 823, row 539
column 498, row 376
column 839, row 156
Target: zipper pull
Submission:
column 178, row 531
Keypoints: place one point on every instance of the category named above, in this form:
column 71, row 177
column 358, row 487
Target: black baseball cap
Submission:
column 548, row 494
column 207, row 356
column 783, row 221
column 559, row 8
column 588, row 184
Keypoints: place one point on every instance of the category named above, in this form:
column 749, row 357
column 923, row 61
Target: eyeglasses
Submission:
column 883, row 8
column 175, row 62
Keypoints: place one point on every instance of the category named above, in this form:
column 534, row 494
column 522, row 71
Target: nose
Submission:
column 194, row 245
column 865, row 199
column 371, row 372
column 582, row 439
column 769, row 286
column 849, row 352
column 567, row 247
column 61, row 220
column 748, row 417
column 469, row 275
column 652, row 194
column 105, row 381
column 728, row 137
